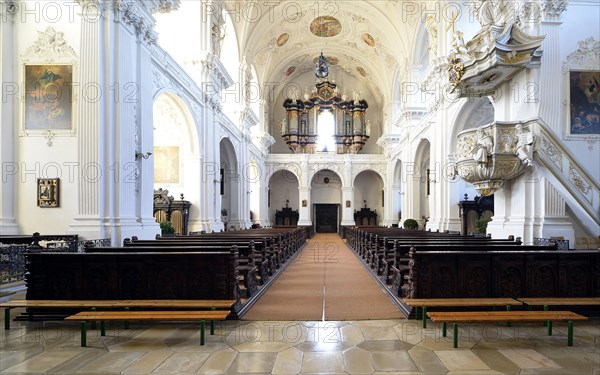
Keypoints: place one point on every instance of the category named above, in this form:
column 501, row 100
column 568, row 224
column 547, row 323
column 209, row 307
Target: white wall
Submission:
column 34, row 158
column 580, row 22
column 283, row 186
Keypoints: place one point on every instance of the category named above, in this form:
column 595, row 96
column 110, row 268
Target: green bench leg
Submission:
column 547, row 321
column 102, row 328
column 93, row 323
column 202, row 332
column 549, row 328
column 417, row 313
column 424, row 313
column 126, row 324
column 212, row 324
column 444, row 329
column 570, row 333
column 455, row 327
column 83, row 334
column 508, row 308
column 7, row 318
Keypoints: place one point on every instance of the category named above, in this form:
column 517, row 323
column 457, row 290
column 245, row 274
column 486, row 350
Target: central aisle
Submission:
column 325, row 282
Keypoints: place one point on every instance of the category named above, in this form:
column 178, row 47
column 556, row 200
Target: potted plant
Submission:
column 481, row 227
column 410, row 224
column 167, row 229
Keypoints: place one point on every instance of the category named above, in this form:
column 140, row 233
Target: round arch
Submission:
column 369, row 194
column 229, row 188
column 283, row 196
column 176, row 158
column 421, row 182
column 326, row 197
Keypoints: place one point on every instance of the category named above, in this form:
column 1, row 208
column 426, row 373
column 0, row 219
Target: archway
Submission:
column 369, row 198
column 176, row 160
column 473, row 114
column 229, row 186
column 326, row 198
column 283, row 199
column 422, row 183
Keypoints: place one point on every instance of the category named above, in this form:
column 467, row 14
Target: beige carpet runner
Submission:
column 326, row 281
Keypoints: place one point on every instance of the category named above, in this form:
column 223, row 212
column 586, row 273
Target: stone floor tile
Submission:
column 393, row 361
column 460, row 359
column 310, row 346
column 111, row 363
column 427, row 361
column 218, row 362
column 409, row 331
column 262, row 347
column 496, row 361
column 322, row 363
column 41, row 363
column 384, row 345
column 288, row 362
column 86, row 356
column 357, row 361
column 249, row 363
column 182, row 363
column 379, row 333
column 148, row 362
column 352, row 334
column 18, row 354
column 529, row 359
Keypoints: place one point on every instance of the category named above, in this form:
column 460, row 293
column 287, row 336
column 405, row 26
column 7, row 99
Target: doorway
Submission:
column 326, row 218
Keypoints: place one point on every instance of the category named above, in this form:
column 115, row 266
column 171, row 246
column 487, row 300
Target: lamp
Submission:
column 321, row 68
column 142, row 155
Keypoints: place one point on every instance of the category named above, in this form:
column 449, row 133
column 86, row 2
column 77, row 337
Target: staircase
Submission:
column 579, row 190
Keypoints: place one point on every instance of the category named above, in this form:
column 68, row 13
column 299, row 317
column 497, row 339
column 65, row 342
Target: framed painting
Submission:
column 48, row 192
column 49, row 103
column 166, row 164
column 584, row 103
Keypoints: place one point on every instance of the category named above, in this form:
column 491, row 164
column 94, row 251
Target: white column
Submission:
column 347, row 212
column 10, row 169
column 304, row 212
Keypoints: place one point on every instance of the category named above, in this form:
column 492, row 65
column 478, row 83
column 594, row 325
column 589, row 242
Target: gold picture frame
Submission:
column 49, row 102
column 48, row 192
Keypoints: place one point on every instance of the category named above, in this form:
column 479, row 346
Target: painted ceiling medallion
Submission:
column 283, row 39
column 362, row 71
column 330, row 60
column 368, row 39
column 325, row 26
column 290, row 70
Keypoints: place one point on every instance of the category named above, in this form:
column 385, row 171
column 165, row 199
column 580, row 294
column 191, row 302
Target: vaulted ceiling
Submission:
column 366, row 39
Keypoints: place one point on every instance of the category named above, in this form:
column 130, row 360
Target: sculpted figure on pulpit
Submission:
column 524, row 148
column 483, row 147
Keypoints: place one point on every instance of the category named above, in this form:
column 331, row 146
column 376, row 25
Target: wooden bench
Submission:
column 564, row 301
column 111, row 316
column 504, row 316
column 424, row 303
column 114, row 304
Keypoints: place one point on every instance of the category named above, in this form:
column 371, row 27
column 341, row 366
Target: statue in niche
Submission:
column 524, row 148
column 432, row 29
column 217, row 34
column 483, row 147
column 356, row 96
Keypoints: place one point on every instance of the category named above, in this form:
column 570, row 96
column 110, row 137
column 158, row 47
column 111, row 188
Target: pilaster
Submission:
column 8, row 223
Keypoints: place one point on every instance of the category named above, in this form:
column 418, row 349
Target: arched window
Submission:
column 326, row 131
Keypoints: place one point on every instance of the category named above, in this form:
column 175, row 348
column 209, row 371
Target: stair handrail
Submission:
column 554, row 154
